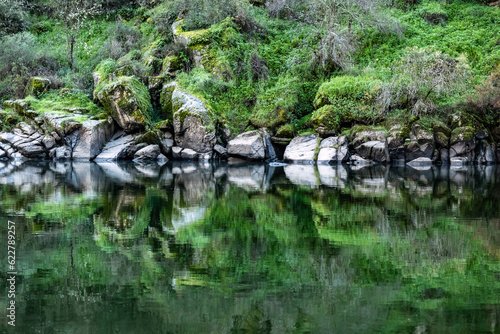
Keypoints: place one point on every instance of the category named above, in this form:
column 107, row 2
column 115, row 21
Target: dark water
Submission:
column 185, row 248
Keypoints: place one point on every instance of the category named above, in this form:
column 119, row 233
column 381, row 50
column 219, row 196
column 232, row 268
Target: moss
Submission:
column 64, row 100
column 464, row 133
column 166, row 100
column 150, row 137
column 171, row 64
column 286, row 131
column 104, row 69
column 346, row 86
column 37, row 86
column 133, row 95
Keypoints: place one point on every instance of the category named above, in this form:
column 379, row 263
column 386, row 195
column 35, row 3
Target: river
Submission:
column 219, row 248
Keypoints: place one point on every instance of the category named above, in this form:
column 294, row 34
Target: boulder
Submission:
column 374, row 150
column 128, row 101
column 248, row 145
column 62, row 123
column 166, row 142
column 176, row 152
column 189, row 154
column 414, row 150
column 486, row 153
column 302, row 149
column 333, row 150
column 92, row 137
column 60, row 153
column 118, row 148
column 171, row 64
column 49, row 142
column 192, row 120
column 37, row 86
column 150, row 152
column 221, row 151
column 462, row 142
column 368, row 135
column 459, row 161
column 420, row 162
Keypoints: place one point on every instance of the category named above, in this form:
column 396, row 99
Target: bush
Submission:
column 346, row 86
column 433, row 12
column 422, row 77
column 13, row 18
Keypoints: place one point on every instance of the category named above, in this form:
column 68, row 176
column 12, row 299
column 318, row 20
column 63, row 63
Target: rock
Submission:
column 118, row 148
column 459, row 161
column 63, row 124
column 171, row 64
column 193, row 125
column 49, row 142
column 221, row 151
column 444, row 154
column 333, row 150
column 302, row 149
column 128, row 102
column 369, row 135
column 60, row 153
column 189, row 154
column 374, row 150
column 420, row 162
column 486, row 153
column 92, row 137
column 166, row 142
column 248, row 145
column 150, row 152
column 162, row 158
column 176, row 152
column 166, row 99
column 358, row 160
column 414, row 150
column 395, row 145
column 37, row 86
column 462, row 142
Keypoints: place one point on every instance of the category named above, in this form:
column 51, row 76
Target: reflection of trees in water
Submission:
column 113, row 235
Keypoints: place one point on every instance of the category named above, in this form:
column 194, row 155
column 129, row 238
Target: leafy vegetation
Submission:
column 267, row 63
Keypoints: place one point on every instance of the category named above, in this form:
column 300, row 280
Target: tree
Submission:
column 422, row 76
column 73, row 14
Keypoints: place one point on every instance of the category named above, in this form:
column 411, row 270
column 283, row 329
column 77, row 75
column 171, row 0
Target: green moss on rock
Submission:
column 128, row 102
column 37, row 86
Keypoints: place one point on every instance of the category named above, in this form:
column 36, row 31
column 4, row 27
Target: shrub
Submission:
column 433, row 12
column 421, row 77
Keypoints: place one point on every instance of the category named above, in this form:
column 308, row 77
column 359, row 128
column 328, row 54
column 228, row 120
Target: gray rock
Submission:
column 63, row 124
column 176, row 152
column 92, row 138
column 60, row 153
column 459, row 161
column 117, row 148
column 193, row 125
column 49, row 142
column 166, row 142
column 358, row 160
column 414, row 150
column 248, row 145
column 374, row 150
column 365, row 136
column 127, row 101
column 221, row 151
column 189, row 154
column 150, row 152
column 269, row 148
column 302, row 149
column 420, row 162
column 333, row 150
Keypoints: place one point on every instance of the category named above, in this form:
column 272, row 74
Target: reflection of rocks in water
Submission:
column 302, row 175
column 249, row 177
column 116, row 172
column 332, row 176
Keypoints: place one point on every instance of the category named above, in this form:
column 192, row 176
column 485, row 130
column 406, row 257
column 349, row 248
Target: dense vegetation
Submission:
column 289, row 65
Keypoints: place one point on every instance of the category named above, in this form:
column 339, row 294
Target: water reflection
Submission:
column 200, row 248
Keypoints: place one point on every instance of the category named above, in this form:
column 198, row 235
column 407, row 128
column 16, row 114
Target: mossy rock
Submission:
column 171, row 64
column 465, row 133
column 166, row 99
column 128, row 101
column 153, row 65
column 37, row 86
column 286, row 131
column 151, row 137
column 124, row 71
column 261, row 118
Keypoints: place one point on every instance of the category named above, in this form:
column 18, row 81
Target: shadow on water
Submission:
column 220, row 248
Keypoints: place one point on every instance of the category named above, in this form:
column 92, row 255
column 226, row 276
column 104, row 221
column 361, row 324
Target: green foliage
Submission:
column 421, row 77
column 65, row 99
column 432, row 12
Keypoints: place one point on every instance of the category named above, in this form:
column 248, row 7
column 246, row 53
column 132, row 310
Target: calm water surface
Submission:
column 189, row 248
